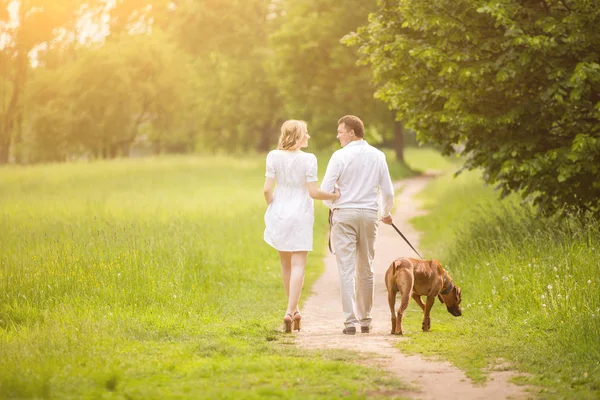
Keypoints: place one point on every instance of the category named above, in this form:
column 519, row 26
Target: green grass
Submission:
column 530, row 289
column 150, row 279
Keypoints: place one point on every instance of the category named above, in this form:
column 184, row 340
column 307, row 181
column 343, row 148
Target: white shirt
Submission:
column 361, row 173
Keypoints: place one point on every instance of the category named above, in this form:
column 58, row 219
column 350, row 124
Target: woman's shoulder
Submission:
column 274, row 153
column 309, row 156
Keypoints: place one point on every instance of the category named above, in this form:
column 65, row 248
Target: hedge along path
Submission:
column 323, row 320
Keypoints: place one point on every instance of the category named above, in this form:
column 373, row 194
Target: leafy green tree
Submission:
column 317, row 74
column 238, row 103
column 49, row 120
column 96, row 105
column 514, row 83
column 24, row 28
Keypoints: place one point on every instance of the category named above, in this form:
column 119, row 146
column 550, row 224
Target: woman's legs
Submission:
column 292, row 273
column 296, row 280
column 285, row 258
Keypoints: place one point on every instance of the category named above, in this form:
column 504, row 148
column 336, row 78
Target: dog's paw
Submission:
column 426, row 325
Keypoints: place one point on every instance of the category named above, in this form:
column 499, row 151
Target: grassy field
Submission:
column 530, row 289
column 149, row 279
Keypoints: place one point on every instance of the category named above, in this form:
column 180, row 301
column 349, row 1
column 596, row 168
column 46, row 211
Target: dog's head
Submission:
column 452, row 301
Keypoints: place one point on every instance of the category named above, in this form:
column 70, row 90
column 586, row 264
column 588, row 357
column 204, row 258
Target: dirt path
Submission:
column 322, row 324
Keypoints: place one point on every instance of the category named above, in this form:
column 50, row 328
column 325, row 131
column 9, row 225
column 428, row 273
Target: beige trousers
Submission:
column 353, row 234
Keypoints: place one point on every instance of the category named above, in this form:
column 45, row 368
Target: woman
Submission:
column 290, row 213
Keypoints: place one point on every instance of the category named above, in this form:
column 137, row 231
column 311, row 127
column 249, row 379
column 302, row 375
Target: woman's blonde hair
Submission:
column 292, row 131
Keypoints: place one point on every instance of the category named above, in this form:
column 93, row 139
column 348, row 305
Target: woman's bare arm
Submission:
column 268, row 189
column 316, row 193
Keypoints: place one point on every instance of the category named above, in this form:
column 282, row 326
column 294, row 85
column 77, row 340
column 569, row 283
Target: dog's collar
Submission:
column 450, row 285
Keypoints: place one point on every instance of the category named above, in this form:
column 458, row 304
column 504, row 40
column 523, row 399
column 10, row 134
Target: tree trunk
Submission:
column 7, row 123
column 18, row 140
column 399, row 140
column 4, row 142
column 112, row 151
column 266, row 134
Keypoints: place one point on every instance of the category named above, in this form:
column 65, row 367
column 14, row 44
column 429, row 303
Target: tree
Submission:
column 238, row 104
column 24, row 26
column 516, row 83
column 96, row 104
column 318, row 75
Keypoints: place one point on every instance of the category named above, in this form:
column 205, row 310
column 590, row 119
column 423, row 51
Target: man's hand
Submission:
column 387, row 220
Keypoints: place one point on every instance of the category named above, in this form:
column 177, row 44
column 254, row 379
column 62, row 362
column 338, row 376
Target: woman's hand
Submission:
column 337, row 193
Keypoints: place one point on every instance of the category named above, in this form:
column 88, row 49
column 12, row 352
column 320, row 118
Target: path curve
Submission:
column 322, row 320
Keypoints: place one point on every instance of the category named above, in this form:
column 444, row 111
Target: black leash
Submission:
column 406, row 240
column 394, row 226
column 330, row 225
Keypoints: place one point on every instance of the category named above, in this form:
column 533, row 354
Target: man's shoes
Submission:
column 365, row 329
column 349, row 331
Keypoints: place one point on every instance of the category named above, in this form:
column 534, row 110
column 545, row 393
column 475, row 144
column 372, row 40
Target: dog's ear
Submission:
column 441, row 300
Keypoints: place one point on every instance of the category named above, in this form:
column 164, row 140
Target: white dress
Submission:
column 290, row 217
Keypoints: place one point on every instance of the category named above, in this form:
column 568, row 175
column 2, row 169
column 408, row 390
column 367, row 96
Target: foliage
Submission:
column 529, row 288
column 317, row 74
column 239, row 104
column 515, row 85
column 179, row 76
column 96, row 105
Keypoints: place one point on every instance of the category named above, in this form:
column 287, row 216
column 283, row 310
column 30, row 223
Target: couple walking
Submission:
column 356, row 181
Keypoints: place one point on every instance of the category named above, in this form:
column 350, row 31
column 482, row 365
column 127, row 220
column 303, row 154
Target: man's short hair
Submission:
column 354, row 123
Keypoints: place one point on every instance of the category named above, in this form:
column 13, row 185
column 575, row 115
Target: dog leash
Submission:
column 394, row 226
column 406, row 240
column 329, row 236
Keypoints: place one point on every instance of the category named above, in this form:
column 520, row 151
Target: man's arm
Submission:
column 332, row 173
column 387, row 192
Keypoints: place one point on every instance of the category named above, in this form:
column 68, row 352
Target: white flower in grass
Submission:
column 555, row 269
column 489, row 306
column 589, row 281
column 549, row 287
column 544, row 305
column 174, row 296
column 543, row 296
column 505, row 278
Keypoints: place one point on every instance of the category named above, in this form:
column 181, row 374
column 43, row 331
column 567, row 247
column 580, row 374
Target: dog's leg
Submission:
column 426, row 318
column 392, row 302
column 417, row 299
column 406, row 287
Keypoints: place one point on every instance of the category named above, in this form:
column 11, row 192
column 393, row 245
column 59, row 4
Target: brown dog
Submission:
column 418, row 278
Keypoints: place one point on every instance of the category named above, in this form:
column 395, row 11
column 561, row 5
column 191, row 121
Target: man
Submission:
column 361, row 173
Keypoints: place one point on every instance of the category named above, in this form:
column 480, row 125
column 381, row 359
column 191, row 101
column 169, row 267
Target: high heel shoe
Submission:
column 297, row 321
column 287, row 323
